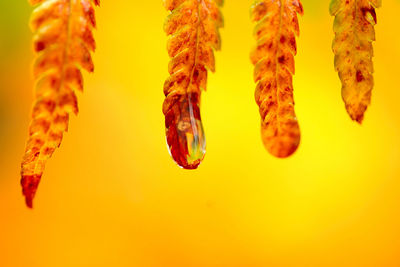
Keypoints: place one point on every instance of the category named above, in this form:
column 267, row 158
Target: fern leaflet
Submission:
column 273, row 56
column 354, row 32
column 192, row 27
column 63, row 41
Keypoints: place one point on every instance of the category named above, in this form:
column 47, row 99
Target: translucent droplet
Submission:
column 185, row 133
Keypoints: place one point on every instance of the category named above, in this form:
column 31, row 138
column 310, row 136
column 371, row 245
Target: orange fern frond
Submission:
column 63, row 41
column 192, row 27
column 354, row 32
column 273, row 56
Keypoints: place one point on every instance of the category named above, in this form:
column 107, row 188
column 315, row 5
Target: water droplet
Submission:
column 185, row 133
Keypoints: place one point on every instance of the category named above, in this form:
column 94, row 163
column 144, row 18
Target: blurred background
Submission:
column 112, row 196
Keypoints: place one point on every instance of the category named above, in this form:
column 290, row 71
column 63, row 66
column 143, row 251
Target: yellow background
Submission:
column 112, row 196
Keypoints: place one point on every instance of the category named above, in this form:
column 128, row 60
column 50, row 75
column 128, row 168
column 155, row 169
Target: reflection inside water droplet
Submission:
column 185, row 133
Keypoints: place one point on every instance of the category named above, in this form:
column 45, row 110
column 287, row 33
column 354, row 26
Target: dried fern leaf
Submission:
column 354, row 32
column 63, row 41
column 273, row 56
column 192, row 27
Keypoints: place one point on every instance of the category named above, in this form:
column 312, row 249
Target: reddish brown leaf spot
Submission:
column 359, row 76
column 39, row 46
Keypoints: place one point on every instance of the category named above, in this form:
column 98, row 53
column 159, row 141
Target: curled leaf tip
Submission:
column 273, row 57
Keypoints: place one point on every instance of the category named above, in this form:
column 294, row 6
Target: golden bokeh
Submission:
column 112, row 196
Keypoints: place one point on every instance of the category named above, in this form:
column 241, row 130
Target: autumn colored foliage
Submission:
column 273, row 57
column 63, row 41
column 354, row 32
column 192, row 27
